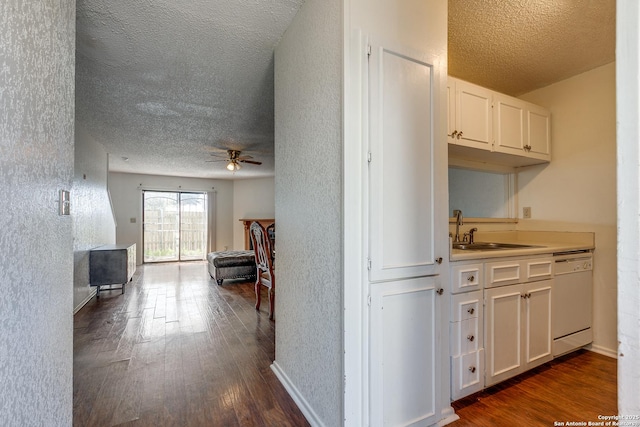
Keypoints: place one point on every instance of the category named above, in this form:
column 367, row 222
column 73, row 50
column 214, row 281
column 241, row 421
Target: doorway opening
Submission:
column 174, row 226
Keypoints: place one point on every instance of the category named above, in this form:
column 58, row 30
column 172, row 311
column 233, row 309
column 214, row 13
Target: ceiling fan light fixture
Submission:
column 233, row 166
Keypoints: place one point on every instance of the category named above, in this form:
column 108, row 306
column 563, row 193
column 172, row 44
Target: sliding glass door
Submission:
column 175, row 226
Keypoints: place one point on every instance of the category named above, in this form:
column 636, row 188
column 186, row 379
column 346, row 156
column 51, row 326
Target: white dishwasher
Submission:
column 572, row 301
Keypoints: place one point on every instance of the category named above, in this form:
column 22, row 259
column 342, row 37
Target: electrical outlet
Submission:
column 526, row 212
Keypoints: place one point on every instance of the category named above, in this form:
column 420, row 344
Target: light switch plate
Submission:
column 526, row 212
column 64, row 202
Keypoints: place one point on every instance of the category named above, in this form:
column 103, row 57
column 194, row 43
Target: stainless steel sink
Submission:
column 484, row 246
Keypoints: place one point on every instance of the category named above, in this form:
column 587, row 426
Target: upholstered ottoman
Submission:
column 231, row 265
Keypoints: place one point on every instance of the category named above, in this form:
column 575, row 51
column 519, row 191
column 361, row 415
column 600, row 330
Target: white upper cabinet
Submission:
column 538, row 132
column 469, row 122
column 509, row 124
column 521, row 128
column 491, row 127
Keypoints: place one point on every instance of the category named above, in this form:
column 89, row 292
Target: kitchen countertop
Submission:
column 545, row 242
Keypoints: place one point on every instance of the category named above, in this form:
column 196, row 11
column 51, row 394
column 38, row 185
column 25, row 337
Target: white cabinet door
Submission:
column 503, row 335
column 521, row 128
column 537, row 308
column 539, row 132
column 402, row 177
column 473, row 116
column 406, row 228
column 404, row 356
column 509, row 125
column 518, row 329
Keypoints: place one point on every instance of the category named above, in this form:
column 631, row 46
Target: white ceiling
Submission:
column 516, row 46
column 164, row 83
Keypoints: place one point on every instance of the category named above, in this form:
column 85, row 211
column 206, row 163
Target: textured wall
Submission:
column 37, row 42
column 308, row 152
column 583, row 138
column 127, row 203
column 628, row 186
column 93, row 222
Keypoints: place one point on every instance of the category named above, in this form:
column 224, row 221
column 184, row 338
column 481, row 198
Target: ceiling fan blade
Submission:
column 221, row 160
column 253, row 162
column 244, row 157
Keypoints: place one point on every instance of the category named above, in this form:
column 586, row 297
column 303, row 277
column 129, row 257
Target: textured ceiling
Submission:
column 516, row 46
column 164, row 83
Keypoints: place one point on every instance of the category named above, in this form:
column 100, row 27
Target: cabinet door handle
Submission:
column 470, row 278
column 471, row 310
column 471, row 338
column 440, row 291
column 472, row 369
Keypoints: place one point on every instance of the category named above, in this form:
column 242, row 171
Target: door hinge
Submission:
column 369, row 300
column 368, row 51
column 369, row 157
column 368, row 263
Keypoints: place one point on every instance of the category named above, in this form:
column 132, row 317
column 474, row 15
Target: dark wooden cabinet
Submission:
column 265, row 222
column 112, row 265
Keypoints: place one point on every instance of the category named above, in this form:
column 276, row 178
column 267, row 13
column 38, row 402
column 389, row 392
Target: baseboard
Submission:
column 86, row 300
column 302, row 403
column 602, row 350
column 448, row 416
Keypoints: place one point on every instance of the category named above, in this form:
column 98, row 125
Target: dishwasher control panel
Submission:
column 572, row 265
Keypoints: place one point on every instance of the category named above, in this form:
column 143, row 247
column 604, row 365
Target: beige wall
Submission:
column 577, row 190
column 93, row 220
column 252, row 198
column 126, row 195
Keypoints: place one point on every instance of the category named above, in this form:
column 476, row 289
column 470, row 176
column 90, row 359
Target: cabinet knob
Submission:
column 459, row 135
column 472, row 369
column 440, row 291
column 439, row 260
column 471, row 310
column 470, row 278
column 471, row 338
column 453, row 134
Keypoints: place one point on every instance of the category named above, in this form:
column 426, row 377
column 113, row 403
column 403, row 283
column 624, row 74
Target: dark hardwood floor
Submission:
column 577, row 387
column 177, row 350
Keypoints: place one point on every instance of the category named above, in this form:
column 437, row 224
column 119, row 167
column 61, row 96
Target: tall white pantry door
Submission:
column 404, row 284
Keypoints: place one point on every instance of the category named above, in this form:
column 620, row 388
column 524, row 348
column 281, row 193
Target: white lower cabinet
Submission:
column 518, row 329
column 467, row 354
column 405, row 368
column 500, row 321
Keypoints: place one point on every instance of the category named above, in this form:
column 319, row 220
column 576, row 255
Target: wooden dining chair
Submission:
column 264, row 264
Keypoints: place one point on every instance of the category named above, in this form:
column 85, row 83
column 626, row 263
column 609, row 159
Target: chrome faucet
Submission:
column 458, row 214
column 468, row 237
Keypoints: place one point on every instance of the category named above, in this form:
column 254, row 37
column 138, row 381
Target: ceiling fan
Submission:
column 234, row 159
